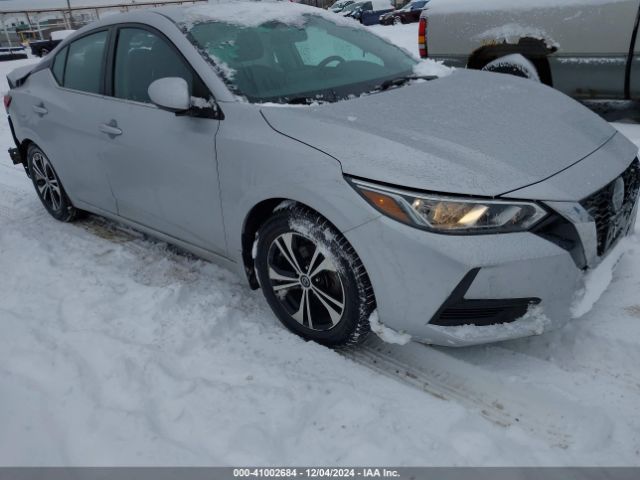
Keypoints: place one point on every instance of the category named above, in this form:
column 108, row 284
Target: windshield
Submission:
column 317, row 61
column 351, row 7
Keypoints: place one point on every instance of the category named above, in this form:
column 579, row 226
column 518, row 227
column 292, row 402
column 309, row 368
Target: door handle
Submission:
column 111, row 129
column 40, row 110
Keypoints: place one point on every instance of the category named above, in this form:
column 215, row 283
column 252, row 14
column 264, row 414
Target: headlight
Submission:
column 454, row 215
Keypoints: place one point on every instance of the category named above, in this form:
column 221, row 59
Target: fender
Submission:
column 534, row 49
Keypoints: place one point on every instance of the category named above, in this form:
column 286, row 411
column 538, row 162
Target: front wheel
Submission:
column 312, row 278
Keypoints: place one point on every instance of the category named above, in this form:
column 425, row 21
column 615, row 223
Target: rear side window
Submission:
column 84, row 63
column 58, row 65
column 143, row 57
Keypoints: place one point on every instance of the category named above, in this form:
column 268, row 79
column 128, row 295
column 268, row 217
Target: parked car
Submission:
column 40, row 48
column 368, row 12
column 296, row 152
column 340, row 5
column 410, row 13
column 587, row 49
column 12, row 53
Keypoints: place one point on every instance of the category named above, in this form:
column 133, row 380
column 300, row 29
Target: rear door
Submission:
column 69, row 117
column 162, row 166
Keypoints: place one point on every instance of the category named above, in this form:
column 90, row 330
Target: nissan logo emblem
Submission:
column 617, row 197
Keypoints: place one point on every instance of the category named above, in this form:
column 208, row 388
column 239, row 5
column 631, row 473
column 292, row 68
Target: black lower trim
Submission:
column 561, row 232
column 484, row 312
column 458, row 311
column 15, row 155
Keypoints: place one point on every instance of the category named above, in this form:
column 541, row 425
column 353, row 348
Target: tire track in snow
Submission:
column 547, row 414
column 544, row 414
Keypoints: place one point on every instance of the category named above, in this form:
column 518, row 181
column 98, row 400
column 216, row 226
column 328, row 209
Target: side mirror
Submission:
column 170, row 93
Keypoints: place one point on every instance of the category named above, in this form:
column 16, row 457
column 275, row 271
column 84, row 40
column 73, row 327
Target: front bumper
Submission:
column 530, row 281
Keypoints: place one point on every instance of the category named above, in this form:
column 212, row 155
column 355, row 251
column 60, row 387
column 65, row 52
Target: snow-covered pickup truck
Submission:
column 586, row 48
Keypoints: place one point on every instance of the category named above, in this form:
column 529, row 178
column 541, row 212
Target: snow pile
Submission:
column 427, row 68
column 61, row 34
column 386, row 334
column 534, row 322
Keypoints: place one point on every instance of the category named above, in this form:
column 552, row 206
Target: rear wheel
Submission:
column 397, row 21
column 48, row 186
column 312, row 278
column 516, row 65
column 44, row 52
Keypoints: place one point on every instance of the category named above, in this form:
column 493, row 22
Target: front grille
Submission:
column 613, row 219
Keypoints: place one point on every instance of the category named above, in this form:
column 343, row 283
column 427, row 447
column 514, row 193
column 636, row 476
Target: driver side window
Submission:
column 319, row 45
column 143, row 57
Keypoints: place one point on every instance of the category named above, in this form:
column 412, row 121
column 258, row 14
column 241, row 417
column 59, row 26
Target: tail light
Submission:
column 422, row 38
column 7, row 102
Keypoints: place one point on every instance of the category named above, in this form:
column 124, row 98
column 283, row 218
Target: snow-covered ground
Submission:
column 118, row 350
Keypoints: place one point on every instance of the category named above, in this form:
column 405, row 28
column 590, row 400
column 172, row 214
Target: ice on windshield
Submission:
column 312, row 58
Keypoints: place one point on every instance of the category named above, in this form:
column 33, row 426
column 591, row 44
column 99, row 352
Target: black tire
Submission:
column 343, row 278
column 514, row 64
column 44, row 52
column 49, row 187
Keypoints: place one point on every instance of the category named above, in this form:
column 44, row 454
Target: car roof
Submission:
column 238, row 12
column 232, row 12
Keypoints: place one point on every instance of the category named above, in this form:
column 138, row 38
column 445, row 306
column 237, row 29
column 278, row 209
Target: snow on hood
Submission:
column 432, row 68
column 458, row 6
column 473, row 133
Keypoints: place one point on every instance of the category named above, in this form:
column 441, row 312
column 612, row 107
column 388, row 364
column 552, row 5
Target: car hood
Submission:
column 473, row 133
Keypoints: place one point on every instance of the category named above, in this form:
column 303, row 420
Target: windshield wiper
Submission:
column 301, row 100
column 309, row 100
column 399, row 81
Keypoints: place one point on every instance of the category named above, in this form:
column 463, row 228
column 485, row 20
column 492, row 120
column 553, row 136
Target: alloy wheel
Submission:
column 306, row 281
column 46, row 181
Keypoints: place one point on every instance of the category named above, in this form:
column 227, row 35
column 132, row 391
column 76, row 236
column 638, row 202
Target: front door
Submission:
column 162, row 167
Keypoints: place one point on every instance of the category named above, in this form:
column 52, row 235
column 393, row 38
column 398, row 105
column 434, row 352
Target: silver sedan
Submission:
column 356, row 186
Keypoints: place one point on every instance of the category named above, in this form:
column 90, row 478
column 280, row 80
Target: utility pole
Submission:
column 70, row 14
column 6, row 33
